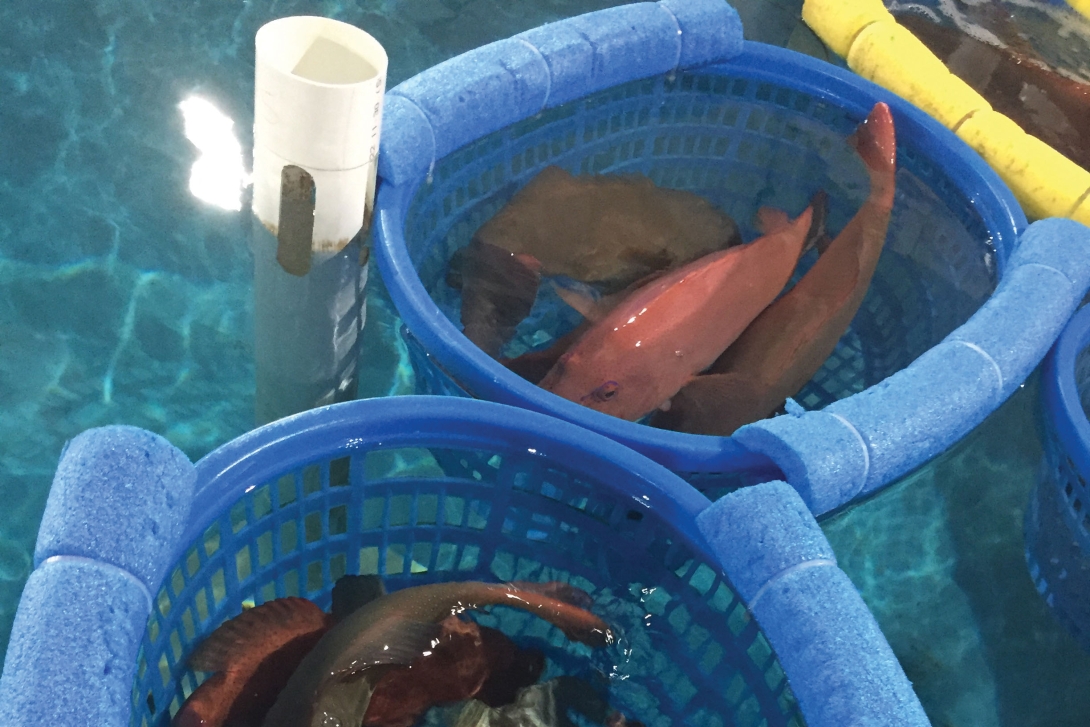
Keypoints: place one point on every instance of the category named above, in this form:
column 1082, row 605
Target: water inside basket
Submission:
column 741, row 144
column 689, row 652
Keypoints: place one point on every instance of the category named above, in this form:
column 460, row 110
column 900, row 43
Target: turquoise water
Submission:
column 123, row 299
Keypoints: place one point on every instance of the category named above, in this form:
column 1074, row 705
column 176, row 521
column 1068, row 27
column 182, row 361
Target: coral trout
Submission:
column 636, row 357
column 790, row 340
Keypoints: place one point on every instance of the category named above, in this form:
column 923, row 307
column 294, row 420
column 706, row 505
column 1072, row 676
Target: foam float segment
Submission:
column 711, row 30
column 478, row 92
column 821, row 455
column 921, row 411
column 121, row 495
column 840, row 665
column 464, row 98
column 72, row 657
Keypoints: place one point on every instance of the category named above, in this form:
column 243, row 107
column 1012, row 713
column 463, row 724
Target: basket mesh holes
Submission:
column 262, row 502
column 264, row 549
column 289, row 537
column 212, row 539
column 188, row 625
column 749, row 713
column 713, row 655
column 339, row 472
column 219, row 590
column 242, row 563
column 238, row 516
column 400, row 510
column 739, row 619
column 774, row 675
column 201, row 601
column 312, row 480
column 314, row 577
column 291, row 583
column 286, row 490
column 312, row 527
column 192, row 562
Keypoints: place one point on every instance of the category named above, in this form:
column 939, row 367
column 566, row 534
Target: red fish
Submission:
column 253, row 655
column 636, row 357
column 336, row 680
column 789, row 341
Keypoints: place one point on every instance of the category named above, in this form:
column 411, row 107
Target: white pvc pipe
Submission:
column 319, row 86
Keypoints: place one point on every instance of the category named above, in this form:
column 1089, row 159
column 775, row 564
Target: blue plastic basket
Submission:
column 1058, row 517
column 754, row 125
column 421, row 489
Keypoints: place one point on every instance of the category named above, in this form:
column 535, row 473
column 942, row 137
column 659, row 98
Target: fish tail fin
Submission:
column 876, row 143
column 566, row 607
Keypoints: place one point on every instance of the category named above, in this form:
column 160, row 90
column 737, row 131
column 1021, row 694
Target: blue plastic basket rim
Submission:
column 483, row 376
column 336, row 430
column 1062, row 401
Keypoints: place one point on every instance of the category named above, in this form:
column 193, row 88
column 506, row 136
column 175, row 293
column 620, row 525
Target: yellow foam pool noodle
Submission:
column 1083, row 6
column 837, row 22
column 889, row 55
column 1047, row 183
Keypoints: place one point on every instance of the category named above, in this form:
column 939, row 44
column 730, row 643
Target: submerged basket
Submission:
column 1057, row 523
column 425, row 489
column 755, row 125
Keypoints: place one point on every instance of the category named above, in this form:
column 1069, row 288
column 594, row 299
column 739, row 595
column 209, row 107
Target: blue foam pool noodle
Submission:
column 842, row 669
column 72, row 657
column 120, row 495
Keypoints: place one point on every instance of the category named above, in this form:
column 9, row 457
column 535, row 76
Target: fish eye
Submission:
column 606, row 391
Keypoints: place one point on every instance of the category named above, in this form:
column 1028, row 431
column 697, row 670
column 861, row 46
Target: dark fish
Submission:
column 470, row 661
column 790, row 340
column 252, row 656
column 498, row 291
column 335, row 681
column 1052, row 107
column 610, row 230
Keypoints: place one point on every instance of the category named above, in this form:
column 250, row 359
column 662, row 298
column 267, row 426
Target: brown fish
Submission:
column 610, row 229
column 498, row 291
column 336, row 680
column 1052, row 107
column 790, row 340
column 252, row 656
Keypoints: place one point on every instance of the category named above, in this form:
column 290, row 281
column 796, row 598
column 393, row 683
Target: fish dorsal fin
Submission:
column 559, row 590
column 352, row 592
column 270, row 625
